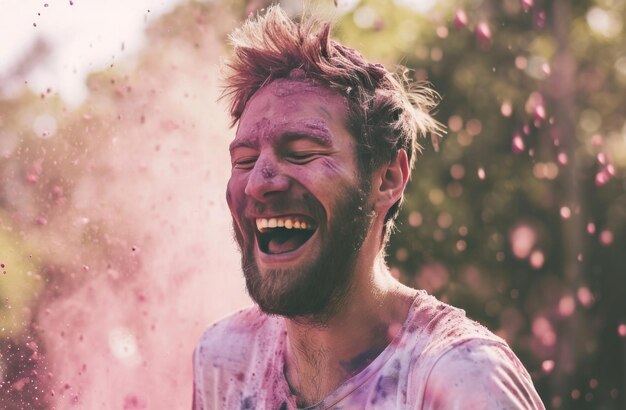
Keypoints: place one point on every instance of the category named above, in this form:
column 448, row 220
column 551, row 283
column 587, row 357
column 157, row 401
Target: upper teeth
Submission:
column 290, row 223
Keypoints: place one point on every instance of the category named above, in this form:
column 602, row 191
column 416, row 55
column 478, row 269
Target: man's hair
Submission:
column 386, row 112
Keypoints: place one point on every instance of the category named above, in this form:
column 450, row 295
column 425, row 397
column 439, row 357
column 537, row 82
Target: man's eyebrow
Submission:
column 315, row 131
column 243, row 144
column 291, row 136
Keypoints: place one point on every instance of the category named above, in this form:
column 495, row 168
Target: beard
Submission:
column 316, row 289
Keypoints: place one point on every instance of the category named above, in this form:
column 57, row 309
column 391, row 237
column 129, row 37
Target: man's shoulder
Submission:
column 236, row 358
column 480, row 373
column 437, row 327
column 239, row 343
column 457, row 357
column 239, row 328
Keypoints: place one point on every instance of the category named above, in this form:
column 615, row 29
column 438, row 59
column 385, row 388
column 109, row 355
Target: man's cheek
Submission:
column 229, row 198
column 233, row 199
column 236, row 203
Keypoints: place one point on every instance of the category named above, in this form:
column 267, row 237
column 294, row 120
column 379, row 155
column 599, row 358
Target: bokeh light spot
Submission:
column 460, row 19
column 606, row 237
column 45, row 126
column 523, row 238
column 415, row 219
column 517, row 144
column 567, row 305
column 123, row 346
column 585, row 297
column 455, row 123
column 607, row 23
column 365, row 17
column 547, row 366
column 591, row 228
column 444, row 220
column 457, row 171
column 436, row 196
column 506, row 109
column 543, row 330
column 474, row 127
column 537, row 259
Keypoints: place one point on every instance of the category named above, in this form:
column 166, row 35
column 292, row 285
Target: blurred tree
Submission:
column 519, row 218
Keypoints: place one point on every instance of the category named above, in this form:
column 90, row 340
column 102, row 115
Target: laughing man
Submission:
column 323, row 150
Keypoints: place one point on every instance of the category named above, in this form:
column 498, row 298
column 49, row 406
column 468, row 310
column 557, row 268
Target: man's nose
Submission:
column 265, row 180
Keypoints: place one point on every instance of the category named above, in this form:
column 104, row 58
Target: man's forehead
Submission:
column 287, row 87
column 291, row 88
column 291, row 105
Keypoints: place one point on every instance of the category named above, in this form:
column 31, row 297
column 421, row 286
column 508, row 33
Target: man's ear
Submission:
column 391, row 179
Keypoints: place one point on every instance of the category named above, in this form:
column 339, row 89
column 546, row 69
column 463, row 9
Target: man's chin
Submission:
column 289, row 292
column 315, row 279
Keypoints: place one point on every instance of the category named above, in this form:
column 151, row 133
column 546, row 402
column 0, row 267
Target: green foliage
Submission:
column 457, row 229
column 20, row 284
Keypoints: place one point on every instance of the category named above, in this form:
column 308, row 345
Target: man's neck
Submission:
column 321, row 357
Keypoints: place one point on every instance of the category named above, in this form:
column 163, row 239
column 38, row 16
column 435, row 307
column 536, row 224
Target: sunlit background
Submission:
column 115, row 242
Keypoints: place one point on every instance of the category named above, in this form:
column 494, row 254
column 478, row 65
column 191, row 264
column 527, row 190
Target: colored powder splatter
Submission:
column 140, row 259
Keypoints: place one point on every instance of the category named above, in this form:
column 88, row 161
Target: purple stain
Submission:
column 248, row 403
column 133, row 402
column 360, row 361
column 385, row 387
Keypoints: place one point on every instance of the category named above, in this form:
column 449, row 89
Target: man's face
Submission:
column 298, row 203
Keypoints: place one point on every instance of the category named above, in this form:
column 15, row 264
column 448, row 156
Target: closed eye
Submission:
column 244, row 163
column 302, row 157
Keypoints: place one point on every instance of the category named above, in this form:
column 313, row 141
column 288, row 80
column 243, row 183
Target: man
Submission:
column 322, row 154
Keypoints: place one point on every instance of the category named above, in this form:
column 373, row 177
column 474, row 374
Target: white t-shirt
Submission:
column 440, row 359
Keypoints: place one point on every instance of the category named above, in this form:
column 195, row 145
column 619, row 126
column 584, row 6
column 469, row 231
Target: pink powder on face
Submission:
column 298, row 84
column 289, row 87
column 295, row 117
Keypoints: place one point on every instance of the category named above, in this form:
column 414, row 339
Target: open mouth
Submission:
column 283, row 234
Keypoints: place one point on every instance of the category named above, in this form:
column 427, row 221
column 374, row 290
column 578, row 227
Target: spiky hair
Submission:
column 386, row 112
